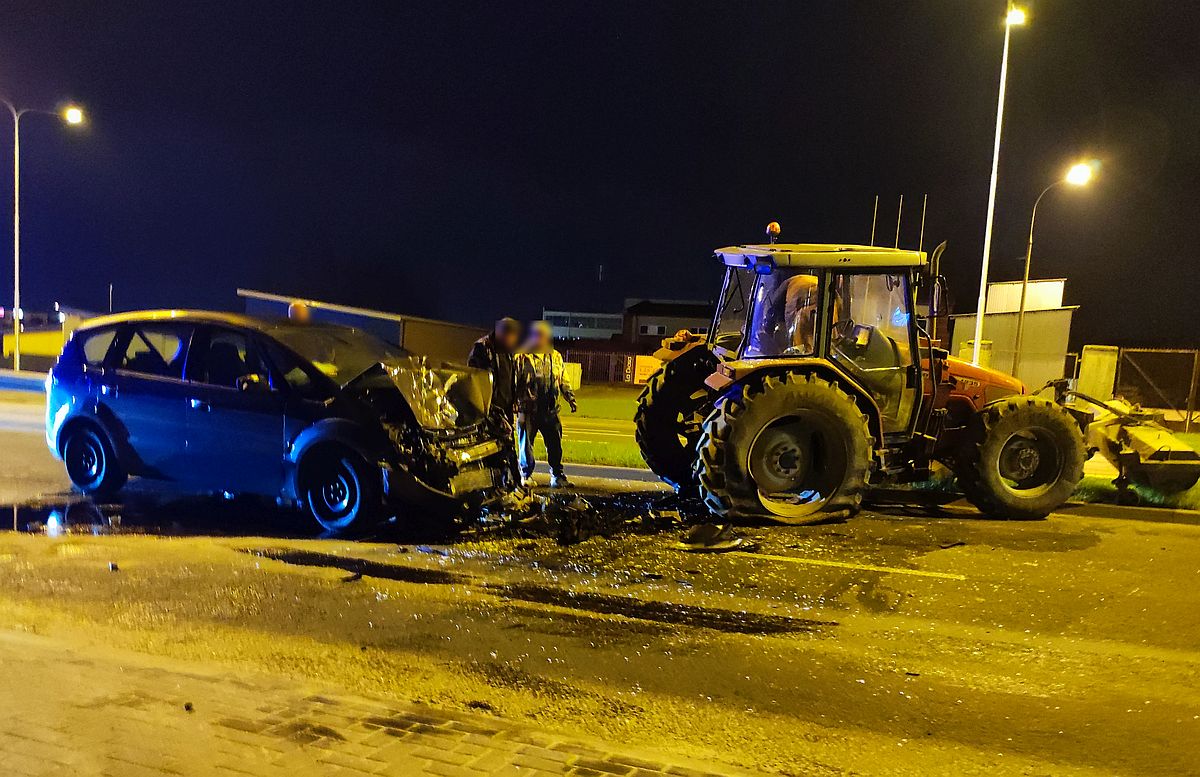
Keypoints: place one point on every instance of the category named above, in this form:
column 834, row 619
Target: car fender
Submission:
column 333, row 430
column 102, row 418
column 340, row 431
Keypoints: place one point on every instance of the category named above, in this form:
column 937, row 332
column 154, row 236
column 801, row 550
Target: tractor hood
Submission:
column 441, row 398
column 981, row 384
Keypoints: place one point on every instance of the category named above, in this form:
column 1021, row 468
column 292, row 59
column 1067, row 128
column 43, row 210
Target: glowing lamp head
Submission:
column 73, row 114
column 1015, row 17
column 773, row 231
column 1079, row 174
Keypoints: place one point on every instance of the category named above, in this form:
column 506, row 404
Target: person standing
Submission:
column 541, row 381
column 496, row 352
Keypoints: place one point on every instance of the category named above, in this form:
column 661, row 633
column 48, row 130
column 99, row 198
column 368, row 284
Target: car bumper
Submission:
column 476, row 467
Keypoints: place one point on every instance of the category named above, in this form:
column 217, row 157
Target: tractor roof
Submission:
column 818, row 255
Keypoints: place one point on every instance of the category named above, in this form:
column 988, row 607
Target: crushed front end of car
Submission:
column 442, row 452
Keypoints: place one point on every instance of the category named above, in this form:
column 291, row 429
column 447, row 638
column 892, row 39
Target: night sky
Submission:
column 467, row 160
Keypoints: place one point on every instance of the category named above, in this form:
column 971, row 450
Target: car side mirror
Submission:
column 252, row 382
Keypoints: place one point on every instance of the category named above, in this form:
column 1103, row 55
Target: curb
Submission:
column 10, row 380
column 1131, row 513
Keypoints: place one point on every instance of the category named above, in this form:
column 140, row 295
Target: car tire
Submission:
column 339, row 490
column 91, row 462
column 794, row 449
column 1024, row 461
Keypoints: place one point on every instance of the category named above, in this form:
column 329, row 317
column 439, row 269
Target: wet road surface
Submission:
column 908, row 640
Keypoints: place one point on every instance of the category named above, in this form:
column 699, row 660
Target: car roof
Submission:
column 195, row 317
column 818, row 255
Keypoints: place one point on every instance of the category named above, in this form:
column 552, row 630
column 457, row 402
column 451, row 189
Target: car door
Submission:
column 234, row 414
column 306, row 388
column 142, row 396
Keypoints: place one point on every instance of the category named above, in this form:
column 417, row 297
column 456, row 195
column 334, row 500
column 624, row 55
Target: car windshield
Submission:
column 339, row 352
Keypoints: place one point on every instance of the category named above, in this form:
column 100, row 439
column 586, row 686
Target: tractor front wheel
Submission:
column 793, row 448
column 1024, row 461
column 670, row 413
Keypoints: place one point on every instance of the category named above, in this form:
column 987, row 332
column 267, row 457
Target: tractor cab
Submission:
column 851, row 307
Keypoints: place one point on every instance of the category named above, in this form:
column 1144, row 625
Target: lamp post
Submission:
column 1078, row 175
column 1015, row 17
column 71, row 114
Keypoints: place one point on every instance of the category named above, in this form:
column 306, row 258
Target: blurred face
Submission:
column 509, row 338
column 539, row 337
column 300, row 313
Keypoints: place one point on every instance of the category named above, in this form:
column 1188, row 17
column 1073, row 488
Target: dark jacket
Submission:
column 486, row 354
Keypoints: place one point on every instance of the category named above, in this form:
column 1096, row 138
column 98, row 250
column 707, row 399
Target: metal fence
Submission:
column 603, row 367
column 1161, row 378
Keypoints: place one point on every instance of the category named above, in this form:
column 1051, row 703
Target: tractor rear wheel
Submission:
column 1025, row 460
column 792, row 448
column 670, row 415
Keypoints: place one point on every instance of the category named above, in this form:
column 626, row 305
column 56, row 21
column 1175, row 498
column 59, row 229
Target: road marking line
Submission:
column 848, row 565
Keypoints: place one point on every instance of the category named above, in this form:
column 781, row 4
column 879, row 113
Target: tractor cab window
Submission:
column 784, row 322
column 730, row 325
column 872, row 339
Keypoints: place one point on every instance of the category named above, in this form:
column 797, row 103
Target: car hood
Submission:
column 441, row 397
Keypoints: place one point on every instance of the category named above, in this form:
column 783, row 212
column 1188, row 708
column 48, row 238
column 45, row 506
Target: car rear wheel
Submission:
column 339, row 489
column 91, row 462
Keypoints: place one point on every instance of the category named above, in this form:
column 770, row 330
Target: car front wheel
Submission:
column 339, row 489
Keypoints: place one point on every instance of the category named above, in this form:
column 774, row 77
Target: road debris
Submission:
column 713, row 538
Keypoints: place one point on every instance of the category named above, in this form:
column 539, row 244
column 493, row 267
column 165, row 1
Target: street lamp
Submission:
column 1015, row 17
column 1079, row 175
column 71, row 114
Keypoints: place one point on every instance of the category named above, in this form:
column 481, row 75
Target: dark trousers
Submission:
column 529, row 426
column 504, row 427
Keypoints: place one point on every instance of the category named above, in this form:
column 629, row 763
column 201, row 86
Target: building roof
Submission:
column 199, row 317
column 678, row 309
column 818, row 255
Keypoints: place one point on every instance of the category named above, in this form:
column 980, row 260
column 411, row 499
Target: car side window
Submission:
column 226, row 357
column 94, row 346
column 289, row 368
column 155, row 349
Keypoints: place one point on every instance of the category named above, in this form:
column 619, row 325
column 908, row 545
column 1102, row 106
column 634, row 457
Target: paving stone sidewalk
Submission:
column 67, row 712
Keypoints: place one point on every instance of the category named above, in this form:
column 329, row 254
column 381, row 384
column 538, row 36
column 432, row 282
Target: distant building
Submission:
column 570, row 325
column 1047, row 334
column 648, row 321
column 439, row 340
column 641, row 327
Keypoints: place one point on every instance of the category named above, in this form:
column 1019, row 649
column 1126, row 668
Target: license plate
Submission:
column 472, row 480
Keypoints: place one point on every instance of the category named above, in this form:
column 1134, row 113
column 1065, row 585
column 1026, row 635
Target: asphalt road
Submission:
column 597, row 429
column 904, row 641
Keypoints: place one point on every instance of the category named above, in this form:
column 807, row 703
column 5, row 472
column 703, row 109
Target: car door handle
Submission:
column 199, row 404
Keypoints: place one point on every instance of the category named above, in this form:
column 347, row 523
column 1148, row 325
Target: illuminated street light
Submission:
column 1014, row 18
column 72, row 114
column 1079, row 175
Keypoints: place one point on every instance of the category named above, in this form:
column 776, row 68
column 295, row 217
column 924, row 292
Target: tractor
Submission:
column 820, row 376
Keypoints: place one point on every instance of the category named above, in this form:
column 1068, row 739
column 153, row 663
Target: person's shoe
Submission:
column 559, row 481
